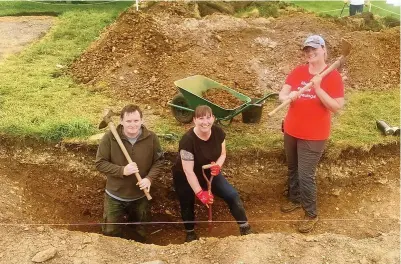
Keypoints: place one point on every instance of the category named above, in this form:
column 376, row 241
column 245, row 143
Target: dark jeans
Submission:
column 353, row 9
column 302, row 159
column 220, row 188
column 116, row 211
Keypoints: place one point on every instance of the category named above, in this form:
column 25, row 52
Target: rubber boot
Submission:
column 191, row 236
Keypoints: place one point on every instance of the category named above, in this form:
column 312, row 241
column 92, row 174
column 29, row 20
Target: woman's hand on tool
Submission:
column 293, row 96
column 215, row 169
column 131, row 168
column 144, row 184
column 205, row 197
column 316, row 80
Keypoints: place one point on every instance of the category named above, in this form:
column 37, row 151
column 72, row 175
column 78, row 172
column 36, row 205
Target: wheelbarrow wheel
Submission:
column 181, row 115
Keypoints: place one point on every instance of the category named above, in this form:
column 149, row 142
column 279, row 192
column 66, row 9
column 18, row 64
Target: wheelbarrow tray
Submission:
column 192, row 88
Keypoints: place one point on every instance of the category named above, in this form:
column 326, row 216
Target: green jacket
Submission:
column 110, row 160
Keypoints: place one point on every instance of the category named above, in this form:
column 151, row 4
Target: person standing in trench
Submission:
column 307, row 126
column 124, row 198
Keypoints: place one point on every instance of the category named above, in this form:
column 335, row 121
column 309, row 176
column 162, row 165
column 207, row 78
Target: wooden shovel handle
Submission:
column 333, row 66
column 207, row 166
column 209, row 188
column 127, row 156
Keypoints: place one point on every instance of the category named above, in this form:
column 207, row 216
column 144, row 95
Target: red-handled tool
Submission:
column 209, row 188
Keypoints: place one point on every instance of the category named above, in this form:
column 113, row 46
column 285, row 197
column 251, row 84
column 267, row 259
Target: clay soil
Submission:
column 141, row 55
column 51, row 196
column 222, row 98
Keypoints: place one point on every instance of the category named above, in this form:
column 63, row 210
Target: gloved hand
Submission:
column 205, row 197
column 144, row 184
column 215, row 169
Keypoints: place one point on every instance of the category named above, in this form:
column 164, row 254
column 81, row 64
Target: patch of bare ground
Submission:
column 17, row 32
column 358, row 201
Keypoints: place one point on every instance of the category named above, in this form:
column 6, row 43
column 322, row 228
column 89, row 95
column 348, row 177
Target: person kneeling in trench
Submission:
column 204, row 144
column 124, row 198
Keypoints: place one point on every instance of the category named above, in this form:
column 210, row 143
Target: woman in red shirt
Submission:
column 307, row 126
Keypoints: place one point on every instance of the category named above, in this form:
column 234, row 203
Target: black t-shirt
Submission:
column 204, row 151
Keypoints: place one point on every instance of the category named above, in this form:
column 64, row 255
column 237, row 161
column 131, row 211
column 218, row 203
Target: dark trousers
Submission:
column 302, row 159
column 116, row 211
column 353, row 9
column 220, row 188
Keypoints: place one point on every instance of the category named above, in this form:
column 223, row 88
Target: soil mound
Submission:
column 141, row 55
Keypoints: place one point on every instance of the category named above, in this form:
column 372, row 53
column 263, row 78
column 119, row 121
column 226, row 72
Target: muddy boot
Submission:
column 245, row 229
column 140, row 235
column 290, row 206
column 191, row 236
column 307, row 224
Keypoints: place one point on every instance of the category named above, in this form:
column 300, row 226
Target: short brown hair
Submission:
column 202, row 110
column 130, row 109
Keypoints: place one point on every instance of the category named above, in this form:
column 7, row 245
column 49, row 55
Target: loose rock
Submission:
column 45, row 255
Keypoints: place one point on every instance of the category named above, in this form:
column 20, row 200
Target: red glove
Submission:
column 215, row 169
column 205, row 197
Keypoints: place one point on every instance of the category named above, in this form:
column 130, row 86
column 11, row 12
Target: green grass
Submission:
column 335, row 7
column 17, row 8
column 37, row 98
column 356, row 126
column 263, row 9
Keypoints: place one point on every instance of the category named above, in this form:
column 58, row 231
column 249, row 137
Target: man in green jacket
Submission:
column 124, row 197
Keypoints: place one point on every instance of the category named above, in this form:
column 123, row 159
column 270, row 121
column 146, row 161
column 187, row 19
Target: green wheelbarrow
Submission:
column 190, row 96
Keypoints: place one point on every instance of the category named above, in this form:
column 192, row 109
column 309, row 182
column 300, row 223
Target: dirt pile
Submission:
column 143, row 53
column 75, row 247
column 367, row 21
column 374, row 63
column 222, row 98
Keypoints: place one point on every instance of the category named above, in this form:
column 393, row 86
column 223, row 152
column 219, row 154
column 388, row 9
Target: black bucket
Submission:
column 252, row 114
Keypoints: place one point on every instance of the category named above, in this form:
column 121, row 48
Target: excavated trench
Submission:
column 358, row 193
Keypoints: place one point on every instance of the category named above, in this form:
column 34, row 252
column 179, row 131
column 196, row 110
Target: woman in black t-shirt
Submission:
column 201, row 145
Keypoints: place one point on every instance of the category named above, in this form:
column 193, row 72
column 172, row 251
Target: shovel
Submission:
column 345, row 50
column 342, row 10
column 209, row 188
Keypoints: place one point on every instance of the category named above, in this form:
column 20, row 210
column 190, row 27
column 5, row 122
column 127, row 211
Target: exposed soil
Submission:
column 222, row 98
column 48, row 193
column 143, row 53
column 358, row 206
column 17, row 32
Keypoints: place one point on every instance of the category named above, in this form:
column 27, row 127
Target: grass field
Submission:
column 334, row 8
column 33, row 103
column 38, row 100
column 17, row 8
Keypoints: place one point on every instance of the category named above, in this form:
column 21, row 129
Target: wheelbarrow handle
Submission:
column 181, row 107
column 264, row 98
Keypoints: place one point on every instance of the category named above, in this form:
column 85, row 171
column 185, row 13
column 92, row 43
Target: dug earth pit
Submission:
column 46, row 190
